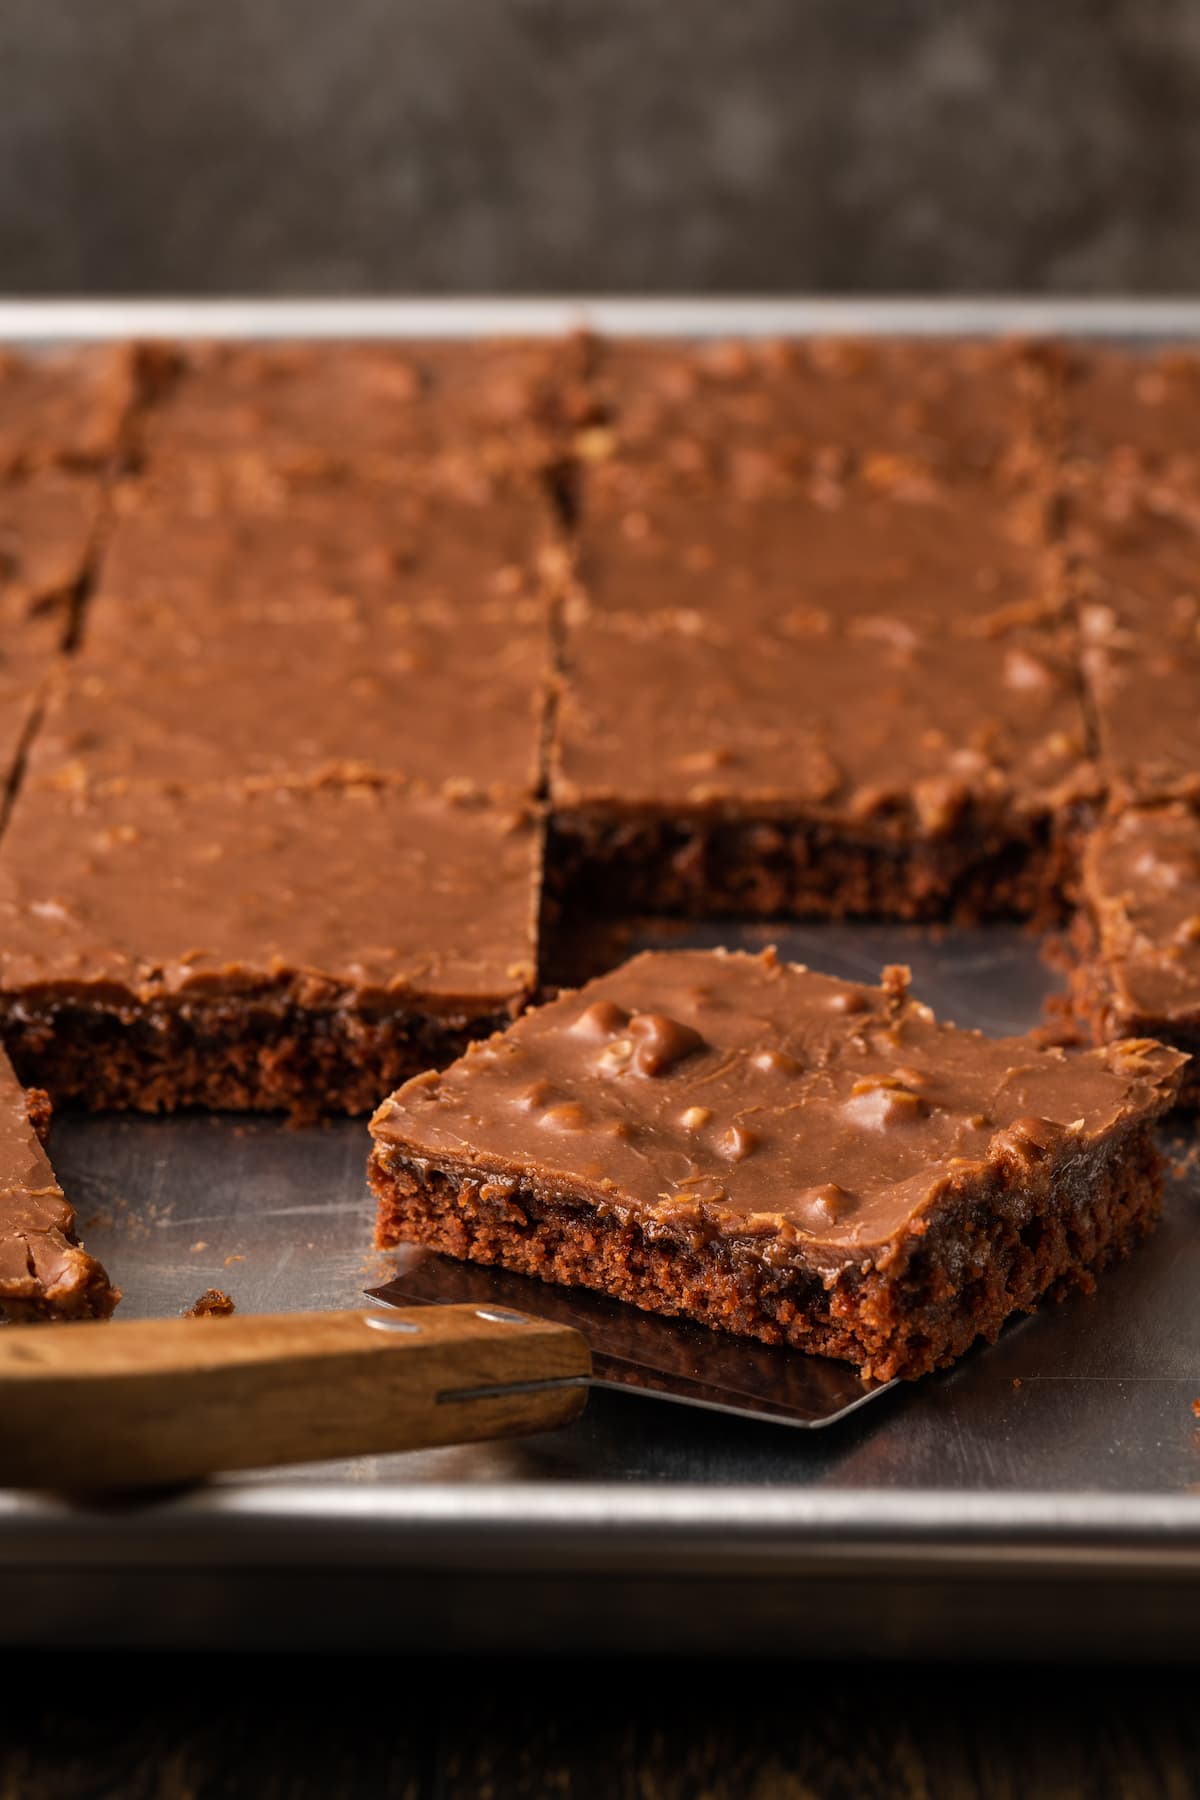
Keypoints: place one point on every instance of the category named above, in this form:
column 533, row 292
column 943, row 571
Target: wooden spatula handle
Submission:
column 97, row 1405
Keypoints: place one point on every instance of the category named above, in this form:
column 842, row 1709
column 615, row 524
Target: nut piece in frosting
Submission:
column 661, row 1042
column 602, row 1019
column 881, row 1100
column 737, row 1143
column 567, row 1115
column 1032, row 1139
column 824, row 1205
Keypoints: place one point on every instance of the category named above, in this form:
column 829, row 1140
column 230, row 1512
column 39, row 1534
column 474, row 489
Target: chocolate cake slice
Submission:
column 1138, row 932
column 299, row 947
column 45, row 1273
column 794, row 710
column 783, row 1155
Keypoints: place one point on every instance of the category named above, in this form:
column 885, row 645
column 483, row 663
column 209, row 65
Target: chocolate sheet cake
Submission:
column 307, row 648
column 781, row 1155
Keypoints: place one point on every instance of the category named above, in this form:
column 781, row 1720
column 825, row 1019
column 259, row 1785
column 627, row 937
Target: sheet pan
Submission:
column 1041, row 1498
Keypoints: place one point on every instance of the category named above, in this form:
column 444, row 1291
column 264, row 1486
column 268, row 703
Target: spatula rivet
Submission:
column 500, row 1315
column 380, row 1322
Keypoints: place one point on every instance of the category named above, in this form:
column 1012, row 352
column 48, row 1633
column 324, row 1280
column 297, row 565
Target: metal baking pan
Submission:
column 1041, row 1498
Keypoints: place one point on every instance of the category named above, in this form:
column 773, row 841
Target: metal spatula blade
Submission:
column 665, row 1359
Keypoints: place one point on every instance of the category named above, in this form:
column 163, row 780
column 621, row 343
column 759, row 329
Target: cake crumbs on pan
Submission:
column 212, row 1304
column 1182, row 1166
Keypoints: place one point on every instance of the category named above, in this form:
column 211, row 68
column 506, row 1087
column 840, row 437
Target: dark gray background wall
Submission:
column 332, row 146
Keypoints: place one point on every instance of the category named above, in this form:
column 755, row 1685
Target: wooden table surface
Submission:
column 160, row 1728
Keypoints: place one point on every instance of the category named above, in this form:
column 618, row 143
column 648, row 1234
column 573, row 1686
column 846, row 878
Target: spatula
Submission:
column 118, row 1406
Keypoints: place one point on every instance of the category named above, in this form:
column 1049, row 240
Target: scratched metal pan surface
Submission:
column 1043, row 1497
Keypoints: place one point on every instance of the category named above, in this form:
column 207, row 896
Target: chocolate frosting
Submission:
column 47, row 524
column 430, row 412
column 896, row 554
column 65, row 407
column 1137, row 572
column 363, row 893
column 751, row 414
column 347, row 634
column 711, row 1093
column 1141, row 883
column 890, row 648
column 306, row 699
column 908, row 731
column 42, row 1266
column 271, row 551
column 1133, row 416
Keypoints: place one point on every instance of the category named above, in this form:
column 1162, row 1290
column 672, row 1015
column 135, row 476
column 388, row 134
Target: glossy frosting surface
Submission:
column 1137, row 572
column 1141, row 875
column 342, row 890
column 737, row 1094
column 740, row 413
column 64, row 407
column 39, row 1255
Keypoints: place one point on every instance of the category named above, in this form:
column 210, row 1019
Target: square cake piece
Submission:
column 300, row 947
column 755, row 719
column 44, row 1271
column 781, row 1155
column 315, row 699
column 352, row 633
column 1138, row 932
column 754, row 413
